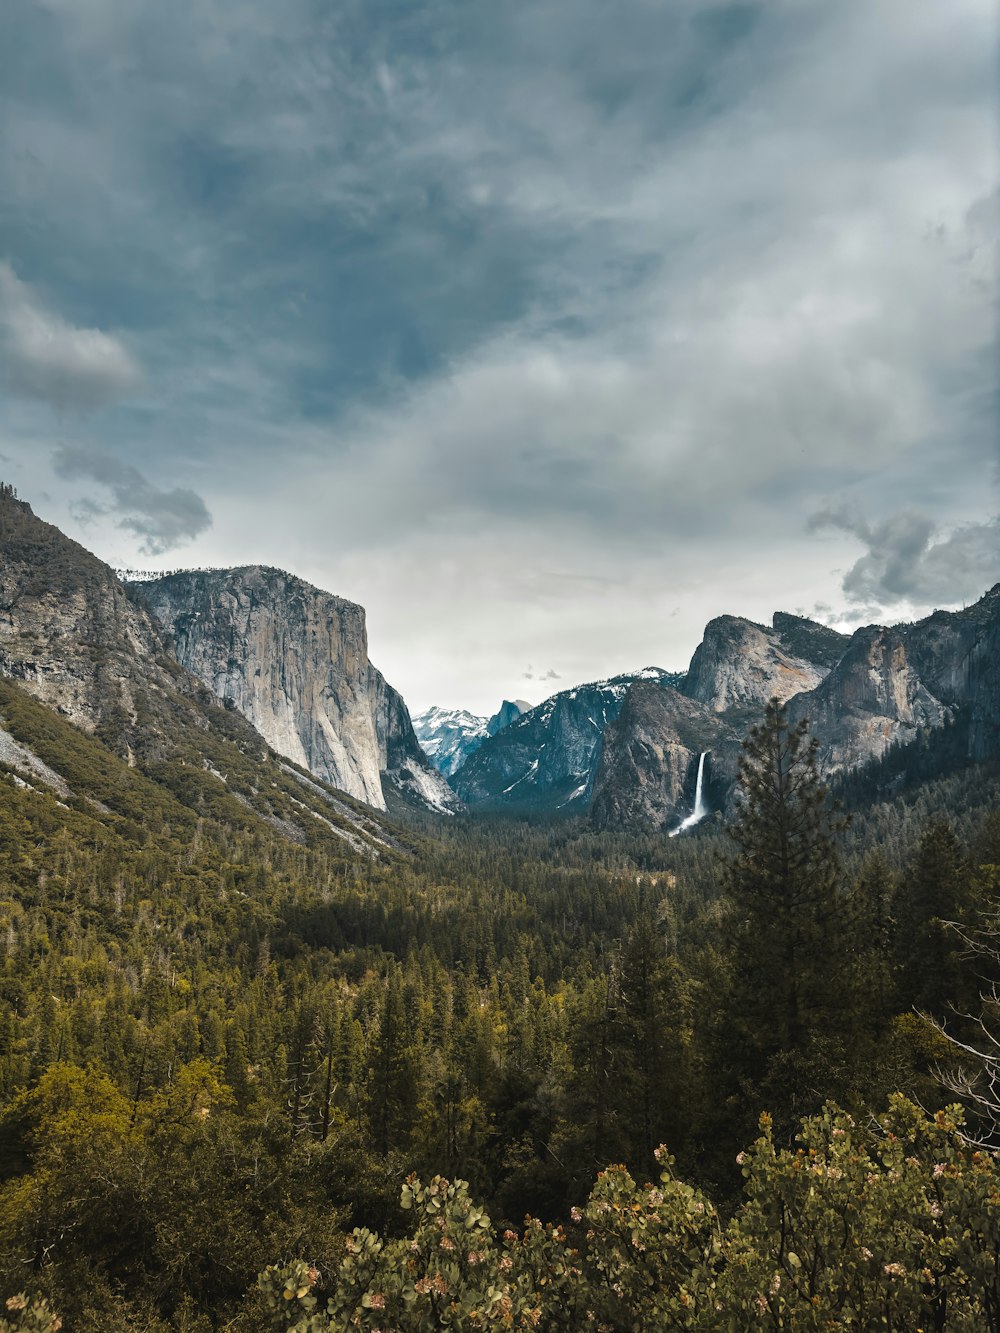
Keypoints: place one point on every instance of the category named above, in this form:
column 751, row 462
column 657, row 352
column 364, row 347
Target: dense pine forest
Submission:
column 248, row 1082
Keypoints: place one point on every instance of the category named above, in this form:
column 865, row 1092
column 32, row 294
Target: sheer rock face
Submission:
column 740, row 665
column 957, row 654
column 403, row 765
column 860, row 694
column 873, row 697
column 293, row 660
column 506, row 715
column 72, row 637
column 894, row 682
column 649, row 759
column 984, row 687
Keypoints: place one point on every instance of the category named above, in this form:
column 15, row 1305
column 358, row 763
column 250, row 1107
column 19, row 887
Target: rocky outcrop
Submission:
column 507, row 714
column 739, row 665
column 873, row 697
column 984, row 685
column 957, row 655
column 71, row 636
column 649, row 760
column 892, row 683
column 293, row 660
column 403, row 766
column 546, row 759
column 880, row 687
column 289, row 658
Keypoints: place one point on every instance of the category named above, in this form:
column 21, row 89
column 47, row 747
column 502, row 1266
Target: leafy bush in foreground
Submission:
column 895, row 1225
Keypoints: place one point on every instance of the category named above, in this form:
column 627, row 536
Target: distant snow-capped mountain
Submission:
column 450, row 735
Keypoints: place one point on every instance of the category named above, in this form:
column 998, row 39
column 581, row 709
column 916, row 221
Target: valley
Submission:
column 265, row 968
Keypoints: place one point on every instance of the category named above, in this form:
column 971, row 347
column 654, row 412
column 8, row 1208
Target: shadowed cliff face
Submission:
column 873, row 697
column 403, row 765
column 649, row 759
column 293, row 660
column 860, row 695
column 894, row 682
column 545, row 759
column 957, row 654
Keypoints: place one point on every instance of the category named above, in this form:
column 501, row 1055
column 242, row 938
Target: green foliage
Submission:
column 24, row 1315
column 784, row 1037
column 221, row 1046
column 894, row 1226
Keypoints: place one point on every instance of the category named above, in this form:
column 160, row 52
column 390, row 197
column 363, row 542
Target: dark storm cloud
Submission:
column 161, row 519
column 910, row 560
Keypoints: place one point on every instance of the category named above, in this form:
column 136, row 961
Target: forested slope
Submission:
column 228, row 1034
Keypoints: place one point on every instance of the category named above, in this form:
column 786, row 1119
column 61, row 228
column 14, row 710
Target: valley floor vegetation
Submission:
column 250, row 1084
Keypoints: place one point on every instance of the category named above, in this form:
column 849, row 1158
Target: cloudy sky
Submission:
column 545, row 329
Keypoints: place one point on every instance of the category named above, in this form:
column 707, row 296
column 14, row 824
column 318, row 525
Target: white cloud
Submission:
column 46, row 357
column 661, row 291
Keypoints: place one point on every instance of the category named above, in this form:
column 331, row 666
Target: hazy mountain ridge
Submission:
column 144, row 667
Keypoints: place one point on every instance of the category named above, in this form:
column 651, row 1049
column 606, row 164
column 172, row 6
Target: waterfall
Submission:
column 700, row 808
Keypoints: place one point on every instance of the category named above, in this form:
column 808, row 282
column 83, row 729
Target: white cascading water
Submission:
column 700, row 808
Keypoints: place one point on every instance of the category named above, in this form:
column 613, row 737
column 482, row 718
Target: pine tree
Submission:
column 937, row 890
column 786, row 923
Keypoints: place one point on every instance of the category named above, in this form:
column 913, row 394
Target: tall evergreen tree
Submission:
column 936, row 891
column 786, row 923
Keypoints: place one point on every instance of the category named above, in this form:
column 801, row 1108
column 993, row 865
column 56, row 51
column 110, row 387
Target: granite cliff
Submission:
column 293, row 660
column 895, row 682
column 861, row 694
column 649, row 759
column 73, row 638
column 740, row 665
